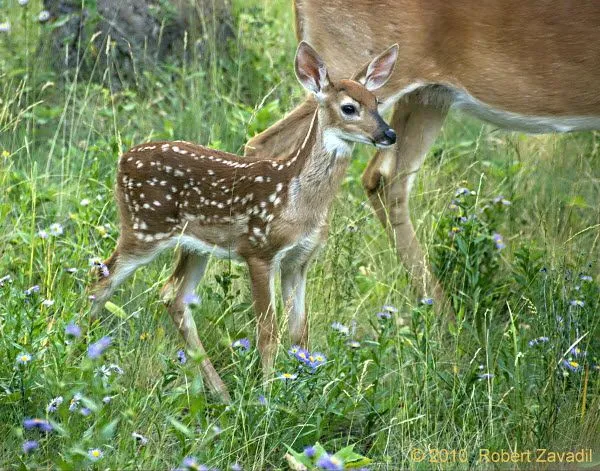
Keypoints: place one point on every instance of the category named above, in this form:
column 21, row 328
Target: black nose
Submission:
column 391, row 135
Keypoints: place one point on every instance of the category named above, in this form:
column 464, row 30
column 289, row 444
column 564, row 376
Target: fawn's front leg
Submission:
column 262, row 278
column 294, row 270
column 293, row 287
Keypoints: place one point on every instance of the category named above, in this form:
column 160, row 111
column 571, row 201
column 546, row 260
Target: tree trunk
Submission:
column 130, row 36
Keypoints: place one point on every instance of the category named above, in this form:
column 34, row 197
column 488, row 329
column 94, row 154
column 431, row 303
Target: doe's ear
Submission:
column 310, row 69
column 376, row 73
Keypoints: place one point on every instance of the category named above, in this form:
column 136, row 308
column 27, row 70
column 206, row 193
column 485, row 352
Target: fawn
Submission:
column 270, row 212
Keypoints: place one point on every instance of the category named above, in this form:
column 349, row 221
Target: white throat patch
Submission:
column 335, row 145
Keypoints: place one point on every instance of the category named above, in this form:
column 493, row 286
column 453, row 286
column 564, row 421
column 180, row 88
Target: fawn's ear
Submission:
column 311, row 70
column 376, row 73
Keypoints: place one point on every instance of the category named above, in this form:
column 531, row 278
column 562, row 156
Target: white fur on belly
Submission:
column 531, row 124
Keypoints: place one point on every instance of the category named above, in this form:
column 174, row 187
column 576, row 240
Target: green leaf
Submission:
column 181, row 428
column 116, row 310
column 108, row 431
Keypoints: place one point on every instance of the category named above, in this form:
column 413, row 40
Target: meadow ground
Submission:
column 519, row 372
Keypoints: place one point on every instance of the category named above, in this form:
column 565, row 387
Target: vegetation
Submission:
column 518, row 371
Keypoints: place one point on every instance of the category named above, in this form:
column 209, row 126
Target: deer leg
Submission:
column 262, row 277
column 120, row 265
column 294, row 270
column 388, row 180
column 182, row 283
column 293, row 287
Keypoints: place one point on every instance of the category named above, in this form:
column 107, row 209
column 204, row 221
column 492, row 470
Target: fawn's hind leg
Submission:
column 186, row 276
column 120, row 266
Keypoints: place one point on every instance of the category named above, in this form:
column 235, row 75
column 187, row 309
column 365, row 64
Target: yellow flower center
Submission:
column 574, row 364
column 95, row 453
column 24, row 357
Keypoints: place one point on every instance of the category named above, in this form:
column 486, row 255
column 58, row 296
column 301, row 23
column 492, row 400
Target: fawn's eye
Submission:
column 349, row 110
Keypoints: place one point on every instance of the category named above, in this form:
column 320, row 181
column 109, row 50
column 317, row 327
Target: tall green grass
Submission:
column 390, row 386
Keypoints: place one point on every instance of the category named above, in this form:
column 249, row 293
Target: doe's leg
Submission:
column 182, row 283
column 389, row 177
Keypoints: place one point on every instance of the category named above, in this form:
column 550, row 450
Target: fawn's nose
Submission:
column 391, row 135
column 388, row 138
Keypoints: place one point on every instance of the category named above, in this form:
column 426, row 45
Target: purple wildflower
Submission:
column 389, row 308
column 241, row 344
column 316, row 359
column 310, row 451
column 97, row 349
column 5, row 280
column 29, row 446
column 181, row 357
column 32, row 290
column 73, row 330
column 42, row 234
column 329, row 462
column 577, row 352
column 294, row 349
column 534, row 342
column 74, row 404
column 499, row 241
column 190, row 463
column 40, row 424
column 302, row 355
column 427, row 301
column 106, row 399
column 54, row 403
column 501, row 200
column 571, row 365
column 586, row 278
column 341, row 328
column 236, row 467
column 85, row 411
column 383, row 315
column 464, row 191
column 262, row 400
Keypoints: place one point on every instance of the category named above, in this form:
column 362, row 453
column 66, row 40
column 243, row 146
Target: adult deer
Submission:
column 270, row 212
column 528, row 65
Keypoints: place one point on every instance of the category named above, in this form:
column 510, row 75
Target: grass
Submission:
column 389, row 387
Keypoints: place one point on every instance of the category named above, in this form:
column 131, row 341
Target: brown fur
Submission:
column 269, row 211
column 532, row 58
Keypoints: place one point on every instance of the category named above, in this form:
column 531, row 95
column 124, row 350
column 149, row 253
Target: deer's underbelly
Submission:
column 518, row 122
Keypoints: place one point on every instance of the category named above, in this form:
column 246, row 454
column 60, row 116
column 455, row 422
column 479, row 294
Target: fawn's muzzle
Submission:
column 387, row 139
